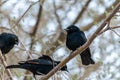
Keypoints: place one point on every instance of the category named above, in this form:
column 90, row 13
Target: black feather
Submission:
column 7, row 42
column 75, row 39
column 39, row 66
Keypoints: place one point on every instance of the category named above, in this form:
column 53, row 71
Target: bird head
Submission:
column 15, row 39
column 72, row 28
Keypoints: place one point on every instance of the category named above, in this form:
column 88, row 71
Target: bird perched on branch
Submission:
column 75, row 39
column 39, row 66
column 7, row 42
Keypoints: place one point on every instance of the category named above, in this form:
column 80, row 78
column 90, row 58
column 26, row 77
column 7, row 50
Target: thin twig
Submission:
column 99, row 18
column 115, row 32
column 60, row 36
column 5, row 64
column 24, row 14
column 85, row 46
column 3, row 2
column 33, row 34
column 57, row 16
column 108, row 28
column 82, row 11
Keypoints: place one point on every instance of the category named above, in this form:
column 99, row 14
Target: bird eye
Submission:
column 71, row 28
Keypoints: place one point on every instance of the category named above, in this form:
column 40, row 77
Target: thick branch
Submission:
column 81, row 12
column 85, row 46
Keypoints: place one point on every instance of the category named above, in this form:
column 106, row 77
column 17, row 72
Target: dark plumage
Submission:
column 7, row 42
column 39, row 66
column 75, row 39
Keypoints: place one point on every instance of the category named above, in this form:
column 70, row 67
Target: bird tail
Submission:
column 87, row 61
column 86, row 57
column 14, row 66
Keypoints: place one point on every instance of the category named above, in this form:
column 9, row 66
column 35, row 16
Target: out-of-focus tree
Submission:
column 39, row 26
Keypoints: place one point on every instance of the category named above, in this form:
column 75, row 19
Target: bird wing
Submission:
column 37, row 62
column 83, row 37
column 80, row 38
column 45, row 57
column 1, row 44
column 75, row 40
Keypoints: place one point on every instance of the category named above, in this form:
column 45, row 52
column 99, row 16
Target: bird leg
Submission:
column 34, row 77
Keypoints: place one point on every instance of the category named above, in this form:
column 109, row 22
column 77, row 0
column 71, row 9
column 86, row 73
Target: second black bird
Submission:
column 39, row 66
column 75, row 39
column 7, row 42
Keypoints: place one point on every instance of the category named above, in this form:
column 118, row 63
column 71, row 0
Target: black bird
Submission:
column 7, row 42
column 75, row 39
column 39, row 66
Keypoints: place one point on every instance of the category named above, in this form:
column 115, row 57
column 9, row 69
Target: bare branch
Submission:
column 5, row 64
column 24, row 14
column 108, row 28
column 3, row 2
column 33, row 34
column 57, row 16
column 81, row 12
column 86, row 45
column 99, row 18
column 58, row 37
column 115, row 32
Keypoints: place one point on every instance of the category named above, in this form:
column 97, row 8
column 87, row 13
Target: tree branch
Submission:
column 3, row 2
column 24, row 15
column 56, row 15
column 61, row 35
column 81, row 12
column 108, row 28
column 85, row 46
column 58, row 37
column 99, row 18
column 115, row 32
column 5, row 64
column 33, row 34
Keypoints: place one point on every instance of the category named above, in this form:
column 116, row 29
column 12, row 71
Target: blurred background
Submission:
column 41, row 31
